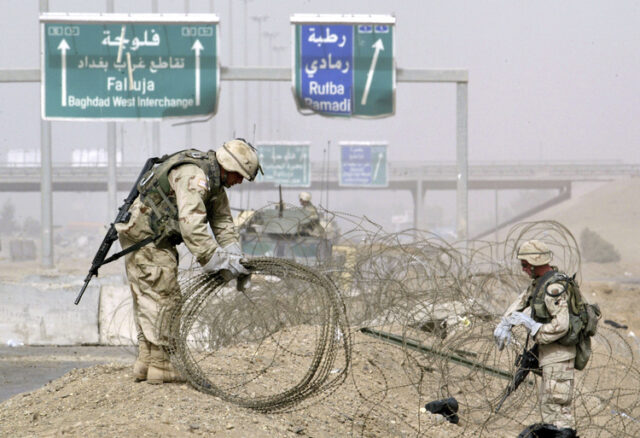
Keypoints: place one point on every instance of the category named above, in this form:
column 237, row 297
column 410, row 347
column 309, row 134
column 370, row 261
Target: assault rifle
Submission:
column 526, row 361
column 112, row 235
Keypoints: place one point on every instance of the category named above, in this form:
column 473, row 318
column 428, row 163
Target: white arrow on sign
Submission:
column 63, row 47
column 378, row 46
column 197, row 47
column 377, row 168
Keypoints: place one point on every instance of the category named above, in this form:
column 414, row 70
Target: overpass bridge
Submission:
column 402, row 176
column 417, row 177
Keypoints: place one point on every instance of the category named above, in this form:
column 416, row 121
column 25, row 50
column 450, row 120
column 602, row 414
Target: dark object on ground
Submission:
column 447, row 407
column 545, row 430
column 615, row 324
column 526, row 361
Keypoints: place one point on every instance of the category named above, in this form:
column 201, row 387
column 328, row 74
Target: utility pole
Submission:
column 231, row 93
column 278, row 120
column 214, row 120
column 155, row 126
column 188, row 129
column 259, row 19
column 46, row 184
column 112, row 186
column 270, row 36
column 245, row 60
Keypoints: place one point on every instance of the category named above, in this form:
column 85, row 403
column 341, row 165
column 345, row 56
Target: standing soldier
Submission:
column 310, row 225
column 177, row 200
column 543, row 310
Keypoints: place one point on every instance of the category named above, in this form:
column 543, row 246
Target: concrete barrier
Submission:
column 22, row 249
column 116, row 316
column 43, row 313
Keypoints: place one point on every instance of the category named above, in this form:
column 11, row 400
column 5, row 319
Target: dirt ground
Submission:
column 377, row 399
column 99, row 398
column 103, row 400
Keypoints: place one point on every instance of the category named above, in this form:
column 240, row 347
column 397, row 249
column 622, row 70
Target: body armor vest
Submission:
column 156, row 193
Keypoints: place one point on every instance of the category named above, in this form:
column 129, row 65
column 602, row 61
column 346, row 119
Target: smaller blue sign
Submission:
column 363, row 165
column 327, row 64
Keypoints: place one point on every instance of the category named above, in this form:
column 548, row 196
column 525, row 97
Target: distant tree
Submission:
column 31, row 227
column 8, row 224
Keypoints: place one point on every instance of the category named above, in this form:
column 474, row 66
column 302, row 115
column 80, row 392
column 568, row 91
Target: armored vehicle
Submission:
column 282, row 231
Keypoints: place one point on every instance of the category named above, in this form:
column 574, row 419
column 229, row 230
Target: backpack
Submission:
column 155, row 190
column 583, row 318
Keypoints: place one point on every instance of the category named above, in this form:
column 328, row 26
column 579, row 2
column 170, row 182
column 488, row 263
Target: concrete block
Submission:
column 44, row 314
column 116, row 316
column 22, row 249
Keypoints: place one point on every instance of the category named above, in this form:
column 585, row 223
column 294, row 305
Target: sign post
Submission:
column 122, row 67
column 285, row 163
column 363, row 164
column 344, row 65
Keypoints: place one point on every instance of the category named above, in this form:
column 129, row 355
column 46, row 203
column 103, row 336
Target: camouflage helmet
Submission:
column 305, row 196
column 535, row 252
column 239, row 156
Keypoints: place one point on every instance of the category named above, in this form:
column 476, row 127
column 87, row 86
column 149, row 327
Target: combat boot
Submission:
column 160, row 368
column 141, row 365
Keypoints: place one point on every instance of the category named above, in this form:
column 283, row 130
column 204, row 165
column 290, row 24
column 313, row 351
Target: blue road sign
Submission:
column 363, row 164
column 344, row 65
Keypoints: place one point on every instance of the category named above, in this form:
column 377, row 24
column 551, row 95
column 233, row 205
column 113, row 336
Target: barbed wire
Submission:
column 409, row 310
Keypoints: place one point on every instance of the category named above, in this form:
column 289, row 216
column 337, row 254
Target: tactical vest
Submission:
column 583, row 317
column 156, row 193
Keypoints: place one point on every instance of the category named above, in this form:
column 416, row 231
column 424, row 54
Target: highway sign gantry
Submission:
column 363, row 164
column 285, row 163
column 344, row 64
column 121, row 66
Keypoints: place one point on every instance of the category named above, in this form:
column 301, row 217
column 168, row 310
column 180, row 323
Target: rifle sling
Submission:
column 129, row 249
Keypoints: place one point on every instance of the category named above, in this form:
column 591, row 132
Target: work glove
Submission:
column 227, row 261
column 502, row 334
column 519, row 318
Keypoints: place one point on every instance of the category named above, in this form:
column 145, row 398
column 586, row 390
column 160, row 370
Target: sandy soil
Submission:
column 105, row 401
column 379, row 399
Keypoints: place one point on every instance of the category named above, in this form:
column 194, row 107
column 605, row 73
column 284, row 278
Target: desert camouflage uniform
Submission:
column 556, row 361
column 153, row 269
column 311, row 224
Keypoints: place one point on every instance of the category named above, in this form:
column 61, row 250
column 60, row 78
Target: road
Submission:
column 24, row 369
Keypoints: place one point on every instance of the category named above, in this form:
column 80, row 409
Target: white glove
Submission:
column 502, row 334
column 227, row 261
column 519, row 318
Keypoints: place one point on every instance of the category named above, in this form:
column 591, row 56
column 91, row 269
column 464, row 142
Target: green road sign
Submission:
column 285, row 163
column 344, row 65
column 363, row 164
column 139, row 66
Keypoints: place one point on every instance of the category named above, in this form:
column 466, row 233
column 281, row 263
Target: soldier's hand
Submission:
column 519, row 318
column 502, row 334
column 227, row 261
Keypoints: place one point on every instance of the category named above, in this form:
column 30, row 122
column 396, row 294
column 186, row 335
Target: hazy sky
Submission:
column 549, row 81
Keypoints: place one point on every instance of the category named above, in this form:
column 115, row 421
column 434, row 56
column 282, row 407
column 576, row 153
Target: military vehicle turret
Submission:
column 283, row 231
